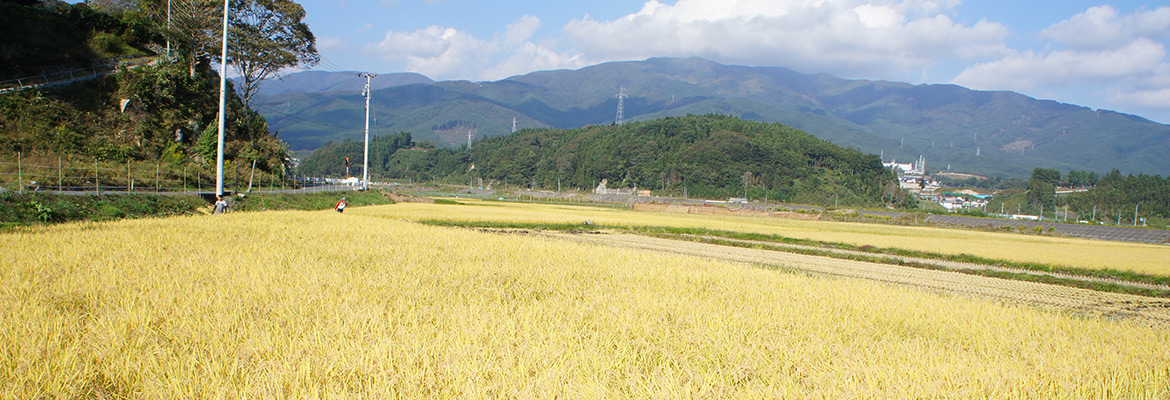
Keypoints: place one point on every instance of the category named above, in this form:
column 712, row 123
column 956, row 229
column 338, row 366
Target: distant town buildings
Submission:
column 916, row 168
column 912, row 178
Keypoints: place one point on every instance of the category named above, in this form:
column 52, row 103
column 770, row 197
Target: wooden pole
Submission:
column 19, row 173
column 252, row 176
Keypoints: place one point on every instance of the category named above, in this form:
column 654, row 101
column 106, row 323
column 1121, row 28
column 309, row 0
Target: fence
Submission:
column 67, row 174
column 46, row 79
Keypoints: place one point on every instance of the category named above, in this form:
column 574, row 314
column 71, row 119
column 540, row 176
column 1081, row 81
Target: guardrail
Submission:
column 49, row 79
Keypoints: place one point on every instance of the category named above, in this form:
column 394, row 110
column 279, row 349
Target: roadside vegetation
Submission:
column 43, row 208
column 47, row 208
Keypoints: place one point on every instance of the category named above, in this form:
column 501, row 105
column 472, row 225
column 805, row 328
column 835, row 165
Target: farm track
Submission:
column 1153, row 311
column 951, row 265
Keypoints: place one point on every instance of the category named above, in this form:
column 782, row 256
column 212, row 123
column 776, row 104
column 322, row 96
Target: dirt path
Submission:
column 1154, row 311
column 951, row 265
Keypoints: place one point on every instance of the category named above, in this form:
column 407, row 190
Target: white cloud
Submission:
column 878, row 16
column 331, row 43
column 1103, row 27
column 449, row 53
column 521, row 30
column 1028, row 70
column 1113, row 59
column 878, row 38
column 1156, row 98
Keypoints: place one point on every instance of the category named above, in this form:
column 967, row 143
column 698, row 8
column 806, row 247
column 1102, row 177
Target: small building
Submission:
column 603, row 189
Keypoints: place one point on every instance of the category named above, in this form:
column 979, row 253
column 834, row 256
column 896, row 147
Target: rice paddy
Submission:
column 1078, row 253
column 369, row 305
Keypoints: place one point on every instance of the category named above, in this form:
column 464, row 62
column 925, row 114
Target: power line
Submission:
column 323, row 124
column 302, row 95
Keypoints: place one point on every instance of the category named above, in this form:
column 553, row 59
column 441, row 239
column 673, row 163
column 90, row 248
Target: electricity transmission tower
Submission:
column 621, row 112
column 366, row 162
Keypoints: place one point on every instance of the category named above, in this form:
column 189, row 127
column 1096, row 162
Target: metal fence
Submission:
column 70, row 175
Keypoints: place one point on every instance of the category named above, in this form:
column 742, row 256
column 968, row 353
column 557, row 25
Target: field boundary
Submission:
column 1098, row 280
column 953, row 265
column 1083, row 301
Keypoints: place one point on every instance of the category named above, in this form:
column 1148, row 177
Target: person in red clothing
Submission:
column 341, row 205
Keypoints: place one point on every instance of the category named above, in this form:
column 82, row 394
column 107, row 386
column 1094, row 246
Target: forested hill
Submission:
column 710, row 156
column 986, row 133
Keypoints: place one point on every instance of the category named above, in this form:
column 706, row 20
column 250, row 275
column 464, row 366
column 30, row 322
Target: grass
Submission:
column 311, row 201
column 47, row 208
column 297, row 304
column 37, row 208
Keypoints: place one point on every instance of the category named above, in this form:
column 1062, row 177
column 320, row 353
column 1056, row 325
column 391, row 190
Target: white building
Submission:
column 917, row 168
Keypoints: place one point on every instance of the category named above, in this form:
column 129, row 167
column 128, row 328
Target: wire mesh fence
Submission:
column 24, row 172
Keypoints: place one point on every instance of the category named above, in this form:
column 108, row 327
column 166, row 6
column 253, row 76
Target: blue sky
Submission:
column 1110, row 55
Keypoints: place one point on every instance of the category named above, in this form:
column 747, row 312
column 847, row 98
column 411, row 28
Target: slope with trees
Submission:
column 708, row 156
column 164, row 110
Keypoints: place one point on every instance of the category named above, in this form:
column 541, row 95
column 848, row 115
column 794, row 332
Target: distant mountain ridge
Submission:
column 990, row 133
column 321, row 81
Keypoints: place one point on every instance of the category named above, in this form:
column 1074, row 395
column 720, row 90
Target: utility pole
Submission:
column 1135, row 209
column 168, row 28
column 222, row 101
column 366, row 165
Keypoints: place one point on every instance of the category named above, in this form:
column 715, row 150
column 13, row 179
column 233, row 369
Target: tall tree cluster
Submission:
column 264, row 36
column 268, row 36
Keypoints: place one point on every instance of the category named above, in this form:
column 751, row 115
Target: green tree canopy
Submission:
column 267, row 36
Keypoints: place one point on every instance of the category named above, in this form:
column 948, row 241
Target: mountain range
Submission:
column 954, row 128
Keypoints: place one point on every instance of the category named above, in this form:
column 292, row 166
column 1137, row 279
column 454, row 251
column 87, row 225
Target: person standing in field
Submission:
column 220, row 205
column 341, row 205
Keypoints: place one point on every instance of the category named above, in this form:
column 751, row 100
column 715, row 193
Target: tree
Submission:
column 112, row 6
column 194, row 26
column 267, row 36
column 1046, row 175
column 1041, row 192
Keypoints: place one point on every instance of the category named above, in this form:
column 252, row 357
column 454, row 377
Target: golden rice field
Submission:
column 1082, row 253
column 323, row 305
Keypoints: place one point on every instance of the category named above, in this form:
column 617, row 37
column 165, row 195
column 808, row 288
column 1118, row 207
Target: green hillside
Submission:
column 710, row 156
column 153, row 111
